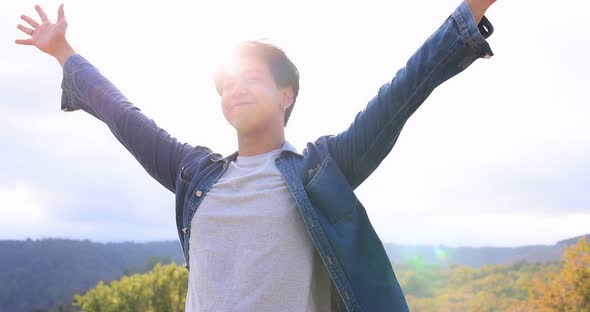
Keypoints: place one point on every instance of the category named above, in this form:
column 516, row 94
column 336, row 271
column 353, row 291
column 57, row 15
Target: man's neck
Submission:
column 260, row 142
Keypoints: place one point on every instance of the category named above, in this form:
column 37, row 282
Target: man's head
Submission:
column 259, row 86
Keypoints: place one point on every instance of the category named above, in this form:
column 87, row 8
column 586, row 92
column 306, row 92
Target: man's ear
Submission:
column 287, row 97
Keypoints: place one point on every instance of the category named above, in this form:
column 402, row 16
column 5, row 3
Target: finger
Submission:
column 26, row 30
column 29, row 20
column 24, row 41
column 60, row 12
column 42, row 14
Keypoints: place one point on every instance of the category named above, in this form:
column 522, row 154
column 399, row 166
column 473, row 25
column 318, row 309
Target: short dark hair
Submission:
column 284, row 72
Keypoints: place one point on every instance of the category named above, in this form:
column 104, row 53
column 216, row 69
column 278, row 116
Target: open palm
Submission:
column 47, row 36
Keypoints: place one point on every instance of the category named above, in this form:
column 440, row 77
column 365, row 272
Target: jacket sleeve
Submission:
column 455, row 45
column 85, row 88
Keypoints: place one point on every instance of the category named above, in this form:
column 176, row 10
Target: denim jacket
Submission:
column 321, row 179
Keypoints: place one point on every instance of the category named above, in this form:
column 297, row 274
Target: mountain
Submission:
column 477, row 256
column 36, row 275
column 43, row 273
column 472, row 256
column 573, row 240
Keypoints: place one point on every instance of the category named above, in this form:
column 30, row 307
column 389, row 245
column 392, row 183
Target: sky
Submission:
column 498, row 155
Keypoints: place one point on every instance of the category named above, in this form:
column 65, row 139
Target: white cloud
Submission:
column 25, row 209
column 21, row 202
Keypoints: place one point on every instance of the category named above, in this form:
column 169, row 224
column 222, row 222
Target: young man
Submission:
column 268, row 228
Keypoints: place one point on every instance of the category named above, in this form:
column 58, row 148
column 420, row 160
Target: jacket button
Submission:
column 198, row 193
column 184, row 230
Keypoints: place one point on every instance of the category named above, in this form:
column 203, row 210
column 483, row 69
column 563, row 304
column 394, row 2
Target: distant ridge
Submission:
column 477, row 256
column 40, row 274
column 472, row 256
column 570, row 241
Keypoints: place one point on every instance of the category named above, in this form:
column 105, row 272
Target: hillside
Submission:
column 44, row 273
column 472, row 256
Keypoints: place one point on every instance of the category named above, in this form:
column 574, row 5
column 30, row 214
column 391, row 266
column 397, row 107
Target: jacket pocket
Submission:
column 186, row 174
column 330, row 193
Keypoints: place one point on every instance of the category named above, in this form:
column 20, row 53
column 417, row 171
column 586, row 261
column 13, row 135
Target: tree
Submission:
column 569, row 289
column 161, row 290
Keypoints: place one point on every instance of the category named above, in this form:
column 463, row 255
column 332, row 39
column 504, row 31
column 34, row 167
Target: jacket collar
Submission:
column 285, row 149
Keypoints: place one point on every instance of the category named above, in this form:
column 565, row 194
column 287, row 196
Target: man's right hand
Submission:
column 47, row 36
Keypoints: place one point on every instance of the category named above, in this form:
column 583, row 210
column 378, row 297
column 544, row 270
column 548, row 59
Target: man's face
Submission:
column 251, row 100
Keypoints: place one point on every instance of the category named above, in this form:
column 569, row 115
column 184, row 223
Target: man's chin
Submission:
column 246, row 126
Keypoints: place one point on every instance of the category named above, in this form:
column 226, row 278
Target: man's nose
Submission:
column 239, row 88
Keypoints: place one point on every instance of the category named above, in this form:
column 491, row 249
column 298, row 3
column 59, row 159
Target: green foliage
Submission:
column 163, row 290
column 519, row 287
column 149, row 265
column 44, row 274
column 461, row 288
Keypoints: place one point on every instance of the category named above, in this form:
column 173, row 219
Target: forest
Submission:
column 562, row 286
column 59, row 275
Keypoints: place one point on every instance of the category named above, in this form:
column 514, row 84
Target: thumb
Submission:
column 60, row 13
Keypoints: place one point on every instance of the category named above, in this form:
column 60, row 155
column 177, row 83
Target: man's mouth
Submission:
column 242, row 103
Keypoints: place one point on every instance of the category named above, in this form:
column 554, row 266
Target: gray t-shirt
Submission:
column 249, row 249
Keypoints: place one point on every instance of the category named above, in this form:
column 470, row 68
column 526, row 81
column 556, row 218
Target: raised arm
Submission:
column 85, row 88
column 455, row 45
